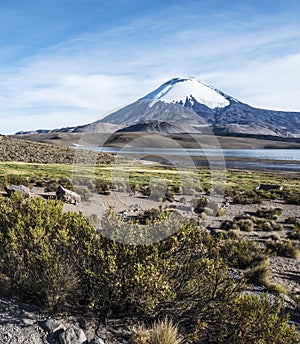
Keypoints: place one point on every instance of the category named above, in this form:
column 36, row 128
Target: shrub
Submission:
column 102, row 187
column 294, row 234
column 199, row 204
column 283, row 248
column 221, row 212
column 84, row 192
column 203, row 204
column 84, row 181
column 145, row 190
column 152, row 215
column 269, row 226
column 293, row 221
column 245, row 225
column 60, row 261
column 276, row 288
column 260, row 273
column 15, row 179
column 229, row 225
column 253, row 319
column 292, row 198
column 246, row 197
column 271, row 214
column 43, row 250
column 233, row 234
column 242, row 254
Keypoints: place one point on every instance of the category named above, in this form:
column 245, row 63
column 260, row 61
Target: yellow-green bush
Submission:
column 60, row 261
column 249, row 319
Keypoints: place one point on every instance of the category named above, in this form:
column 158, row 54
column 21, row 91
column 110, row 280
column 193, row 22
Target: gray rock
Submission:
column 72, row 335
column 24, row 190
column 67, row 196
column 53, row 325
column 97, row 340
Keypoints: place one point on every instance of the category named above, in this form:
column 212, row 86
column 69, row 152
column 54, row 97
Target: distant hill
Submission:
column 12, row 149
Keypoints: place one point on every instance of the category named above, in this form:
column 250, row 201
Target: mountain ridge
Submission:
column 190, row 105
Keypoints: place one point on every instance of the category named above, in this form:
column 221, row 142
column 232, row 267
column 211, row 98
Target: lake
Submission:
column 278, row 159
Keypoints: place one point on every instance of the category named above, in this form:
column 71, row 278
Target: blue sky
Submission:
column 66, row 62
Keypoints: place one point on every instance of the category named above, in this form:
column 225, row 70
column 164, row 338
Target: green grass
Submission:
column 143, row 175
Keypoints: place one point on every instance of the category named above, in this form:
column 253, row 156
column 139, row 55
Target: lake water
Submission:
column 279, row 159
column 264, row 154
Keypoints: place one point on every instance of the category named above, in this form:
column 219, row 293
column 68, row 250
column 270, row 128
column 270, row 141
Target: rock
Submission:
column 53, row 325
column 24, row 190
column 72, row 335
column 97, row 340
column 67, row 196
column 268, row 187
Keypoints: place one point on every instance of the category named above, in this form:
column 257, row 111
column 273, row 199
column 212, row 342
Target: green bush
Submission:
column 292, row 198
column 242, row 224
column 199, row 204
column 245, row 225
column 294, row 234
column 242, row 254
column 43, row 249
column 58, row 260
column 249, row 319
column 84, row 192
column 271, row 214
column 284, row 248
column 15, row 179
column 260, row 273
column 246, row 197
column 268, row 225
column 229, row 225
column 102, row 187
column 293, row 221
column 206, row 205
column 221, row 212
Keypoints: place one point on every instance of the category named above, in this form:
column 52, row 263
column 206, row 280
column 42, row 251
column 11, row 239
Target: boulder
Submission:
column 53, row 325
column 268, row 187
column 24, row 190
column 67, row 196
column 97, row 340
column 72, row 335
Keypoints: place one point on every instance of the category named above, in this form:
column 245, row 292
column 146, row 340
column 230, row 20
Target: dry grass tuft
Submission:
column 162, row 332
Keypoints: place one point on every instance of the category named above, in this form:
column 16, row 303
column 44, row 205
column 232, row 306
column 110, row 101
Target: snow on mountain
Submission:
column 191, row 89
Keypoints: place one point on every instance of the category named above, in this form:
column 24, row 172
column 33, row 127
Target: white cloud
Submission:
column 270, row 84
column 77, row 81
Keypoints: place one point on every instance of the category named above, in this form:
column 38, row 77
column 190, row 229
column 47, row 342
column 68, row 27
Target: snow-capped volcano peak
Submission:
column 181, row 90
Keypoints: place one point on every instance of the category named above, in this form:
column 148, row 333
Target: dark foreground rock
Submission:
column 23, row 324
column 67, row 196
column 10, row 189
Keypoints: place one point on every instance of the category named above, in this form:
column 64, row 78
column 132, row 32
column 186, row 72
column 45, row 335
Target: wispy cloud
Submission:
column 81, row 79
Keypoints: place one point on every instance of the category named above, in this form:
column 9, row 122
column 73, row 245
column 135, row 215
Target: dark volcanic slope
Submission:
column 158, row 127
